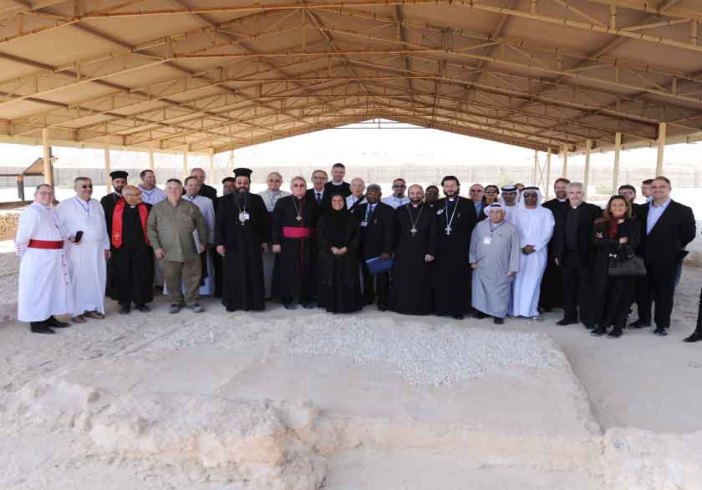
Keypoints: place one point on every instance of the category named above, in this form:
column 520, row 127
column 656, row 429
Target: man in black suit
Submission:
column 697, row 334
column 318, row 194
column 551, row 285
column 573, row 251
column 377, row 221
column 629, row 192
column 337, row 184
column 668, row 227
column 205, row 190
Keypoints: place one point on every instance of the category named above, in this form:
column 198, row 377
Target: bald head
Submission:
column 415, row 193
column 131, row 194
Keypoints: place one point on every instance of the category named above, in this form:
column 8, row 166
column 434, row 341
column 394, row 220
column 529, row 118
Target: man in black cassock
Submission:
column 415, row 225
column 292, row 239
column 132, row 256
column 551, row 285
column 456, row 219
column 241, row 234
column 228, row 187
column 377, row 240
column 108, row 202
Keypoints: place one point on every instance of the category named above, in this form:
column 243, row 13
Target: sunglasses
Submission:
column 397, row 186
column 88, row 186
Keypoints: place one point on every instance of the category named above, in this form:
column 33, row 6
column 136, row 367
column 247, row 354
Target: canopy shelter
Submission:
column 209, row 76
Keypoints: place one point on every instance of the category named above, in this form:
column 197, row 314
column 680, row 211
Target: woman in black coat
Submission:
column 615, row 233
column 339, row 234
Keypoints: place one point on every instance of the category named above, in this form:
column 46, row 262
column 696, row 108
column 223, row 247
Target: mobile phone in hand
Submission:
column 78, row 236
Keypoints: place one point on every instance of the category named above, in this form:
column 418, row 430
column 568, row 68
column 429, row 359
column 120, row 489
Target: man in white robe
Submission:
column 494, row 258
column 150, row 193
column 535, row 224
column 270, row 197
column 509, row 199
column 192, row 189
column 87, row 254
column 44, row 281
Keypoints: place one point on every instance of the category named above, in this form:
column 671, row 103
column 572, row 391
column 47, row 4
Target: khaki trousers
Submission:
column 182, row 276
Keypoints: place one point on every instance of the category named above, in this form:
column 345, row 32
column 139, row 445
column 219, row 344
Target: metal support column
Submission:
column 586, row 173
column 564, row 159
column 48, row 165
column 547, row 184
column 108, row 165
column 662, row 127
column 617, row 155
column 212, row 168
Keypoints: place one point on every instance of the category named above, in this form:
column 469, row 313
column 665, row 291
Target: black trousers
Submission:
column 657, row 287
column 614, row 300
column 699, row 316
column 575, row 277
column 376, row 285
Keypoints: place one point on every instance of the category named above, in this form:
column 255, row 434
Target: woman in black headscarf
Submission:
column 339, row 282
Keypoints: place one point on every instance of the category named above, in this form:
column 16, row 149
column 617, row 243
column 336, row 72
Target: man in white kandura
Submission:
column 535, row 224
column 192, row 193
column 494, row 257
column 44, row 281
column 83, row 221
column 270, row 197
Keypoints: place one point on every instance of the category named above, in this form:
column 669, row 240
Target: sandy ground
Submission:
column 306, row 400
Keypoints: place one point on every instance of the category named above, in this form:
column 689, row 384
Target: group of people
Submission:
column 341, row 246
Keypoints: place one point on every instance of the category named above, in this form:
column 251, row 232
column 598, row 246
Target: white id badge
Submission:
column 364, row 224
column 243, row 216
column 487, row 240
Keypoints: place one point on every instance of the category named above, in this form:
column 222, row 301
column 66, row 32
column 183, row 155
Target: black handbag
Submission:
column 625, row 264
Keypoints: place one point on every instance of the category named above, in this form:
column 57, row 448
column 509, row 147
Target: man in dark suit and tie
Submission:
column 668, row 227
column 377, row 221
column 319, row 194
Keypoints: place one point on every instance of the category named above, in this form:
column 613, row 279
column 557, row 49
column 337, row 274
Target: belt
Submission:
column 297, row 231
column 46, row 244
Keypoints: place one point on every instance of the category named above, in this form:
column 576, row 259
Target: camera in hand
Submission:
column 78, row 236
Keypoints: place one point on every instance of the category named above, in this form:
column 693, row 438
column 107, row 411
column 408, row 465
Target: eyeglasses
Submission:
column 477, row 190
column 490, row 192
column 89, row 186
column 398, row 186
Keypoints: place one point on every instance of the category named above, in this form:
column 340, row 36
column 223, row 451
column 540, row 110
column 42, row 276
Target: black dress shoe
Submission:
column 143, row 308
column 231, row 309
column 695, row 337
column 615, row 333
column 599, row 331
column 289, row 306
column 499, row 321
column 124, row 310
column 40, row 327
column 458, row 317
column 589, row 326
column 640, row 324
column 53, row 322
column 382, row 307
column 567, row 321
column 310, row 305
column 480, row 315
column 660, row 331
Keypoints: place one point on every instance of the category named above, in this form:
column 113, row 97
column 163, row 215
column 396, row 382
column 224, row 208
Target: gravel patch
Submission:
column 423, row 356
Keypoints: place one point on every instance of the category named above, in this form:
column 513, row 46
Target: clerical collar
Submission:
column 451, row 198
column 335, row 183
column 576, row 206
column 562, row 200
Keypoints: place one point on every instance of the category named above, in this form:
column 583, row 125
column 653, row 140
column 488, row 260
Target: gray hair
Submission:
column 373, row 187
column 579, row 185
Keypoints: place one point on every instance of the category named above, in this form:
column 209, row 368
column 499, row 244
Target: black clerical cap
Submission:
column 228, row 179
column 118, row 174
column 242, row 172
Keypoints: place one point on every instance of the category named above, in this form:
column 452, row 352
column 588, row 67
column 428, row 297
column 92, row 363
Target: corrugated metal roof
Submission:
column 211, row 75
